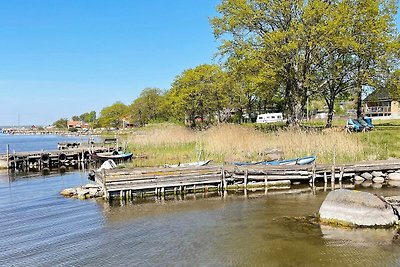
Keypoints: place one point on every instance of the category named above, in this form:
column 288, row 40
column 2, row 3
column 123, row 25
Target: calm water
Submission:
column 40, row 228
column 21, row 143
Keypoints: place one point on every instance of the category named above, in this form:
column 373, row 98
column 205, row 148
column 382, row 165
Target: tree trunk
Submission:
column 359, row 102
column 331, row 104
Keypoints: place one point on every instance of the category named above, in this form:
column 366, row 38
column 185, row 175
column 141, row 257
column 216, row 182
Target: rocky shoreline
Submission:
column 83, row 192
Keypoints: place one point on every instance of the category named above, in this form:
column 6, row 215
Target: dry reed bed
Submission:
column 226, row 143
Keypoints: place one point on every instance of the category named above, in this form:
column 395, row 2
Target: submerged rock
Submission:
column 377, row 174
column 358, row 178
column 378, row 179
column 394, row 176
column 354, row 208
column 69, row 192
column 367, row 176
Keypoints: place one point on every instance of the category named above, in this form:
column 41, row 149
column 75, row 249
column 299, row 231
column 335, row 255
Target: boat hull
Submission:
column 296, row 161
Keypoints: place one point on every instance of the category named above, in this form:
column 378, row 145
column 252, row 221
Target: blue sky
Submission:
column 64, row 57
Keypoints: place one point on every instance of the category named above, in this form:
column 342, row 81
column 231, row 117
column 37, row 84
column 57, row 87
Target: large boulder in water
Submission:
column 355, row 208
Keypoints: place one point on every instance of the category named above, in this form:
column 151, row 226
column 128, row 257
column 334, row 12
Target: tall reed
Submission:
column 226, row 143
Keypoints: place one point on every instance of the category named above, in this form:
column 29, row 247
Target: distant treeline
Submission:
column 275, row 56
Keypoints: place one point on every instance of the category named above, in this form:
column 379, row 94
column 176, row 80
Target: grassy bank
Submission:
column 168, row 143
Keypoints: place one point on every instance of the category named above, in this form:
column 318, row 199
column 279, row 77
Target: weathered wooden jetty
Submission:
column 49, row 159
column 129, row 183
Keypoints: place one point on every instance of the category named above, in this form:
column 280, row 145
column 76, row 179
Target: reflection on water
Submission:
column 41, row 228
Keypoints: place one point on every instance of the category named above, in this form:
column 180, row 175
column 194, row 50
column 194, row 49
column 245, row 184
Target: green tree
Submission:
column 61, row 123
column 88, row 117
column 374, row 43
column 308, row 46
column 112, row 116
column 199, row 92
column 147, row 107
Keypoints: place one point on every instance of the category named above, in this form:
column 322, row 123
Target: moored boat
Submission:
column 296, row 161
column 111, row 155
column 189, row 164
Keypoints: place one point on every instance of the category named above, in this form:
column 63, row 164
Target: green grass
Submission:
column 158, row 155
column 381, row 143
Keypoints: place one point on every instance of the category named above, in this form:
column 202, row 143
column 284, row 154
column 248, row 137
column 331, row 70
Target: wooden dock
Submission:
column 37, row 160
column 129, row 183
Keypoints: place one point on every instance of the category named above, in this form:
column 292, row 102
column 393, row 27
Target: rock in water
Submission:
column 378, row 180
column 377, row 174
column 358, row 178
column 367, row 176
column 394, row 176
column 356, row 208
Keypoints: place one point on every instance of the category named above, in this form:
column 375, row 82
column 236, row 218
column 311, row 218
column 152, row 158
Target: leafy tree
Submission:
column 61, row 123
column 89, row 117
column 282, row 37
column 112, row 116
column 309, row 47
column 146, row 107
column 198, row 92
column 374, row 43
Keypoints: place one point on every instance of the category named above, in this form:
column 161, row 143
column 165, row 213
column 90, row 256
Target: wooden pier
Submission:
column 129, row 183
column 37, row 160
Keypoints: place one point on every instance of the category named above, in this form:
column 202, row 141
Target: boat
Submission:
column 189, row 164
column 296, row 161
column 115, row 155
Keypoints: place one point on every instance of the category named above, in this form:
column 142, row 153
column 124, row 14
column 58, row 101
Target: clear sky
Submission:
column 60, row 58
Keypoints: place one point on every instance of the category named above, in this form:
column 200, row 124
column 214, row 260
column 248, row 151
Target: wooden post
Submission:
column 266, row 181
column 341, row 174
column 333, row 169
column 313, row 175
column 246, row 175
column 223, row 183
column 8, row 156
column 325, row 178
column 103, row 178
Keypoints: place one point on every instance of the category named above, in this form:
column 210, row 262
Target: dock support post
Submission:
column 162, row 191
column 246, row 176
column 325, row 178
column 266, row 181
column 223, row 184
column 313, row 174
column 333, row 168
column 194, row 189
column 8, row 156
column 175, row 191
column 156, row 192
column 103, row 180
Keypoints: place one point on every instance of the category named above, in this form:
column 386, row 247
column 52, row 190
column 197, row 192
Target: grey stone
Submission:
column 68, row 192
column 376, row 186
column 82, row 192
column 358, row 178
column 394, row 183
column 358, row 182
column 377, row 174
column 378, row 180
column 367, row 176
column 93, row 192
column 366, row 183
column 356, row 208
column 394, row 176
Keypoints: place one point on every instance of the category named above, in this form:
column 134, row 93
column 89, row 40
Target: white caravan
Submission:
column 269, row 117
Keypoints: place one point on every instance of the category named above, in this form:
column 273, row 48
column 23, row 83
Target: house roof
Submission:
column 379, row 95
